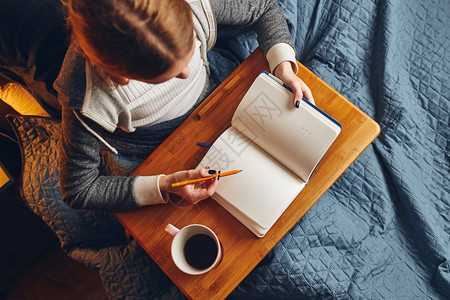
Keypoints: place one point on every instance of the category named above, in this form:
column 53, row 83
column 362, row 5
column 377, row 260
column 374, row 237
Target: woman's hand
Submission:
column 193, row 193
column 285, row 72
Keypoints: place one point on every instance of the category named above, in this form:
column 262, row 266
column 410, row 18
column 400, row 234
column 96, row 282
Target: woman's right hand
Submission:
column 194, row 192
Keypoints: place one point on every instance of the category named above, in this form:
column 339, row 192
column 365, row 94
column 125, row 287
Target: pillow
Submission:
column 33, row 43
column 38, row 139
column 21, row 100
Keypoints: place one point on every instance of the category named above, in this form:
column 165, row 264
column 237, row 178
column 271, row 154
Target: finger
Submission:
column 294, row 84
column 207, row 172
column 199, row 195
column 194, row 173
column 206, row 189
column 307, row 93
column 183, row 175
column 204, row 184
column 191, row 194
column 297, row 98
column 212, row 187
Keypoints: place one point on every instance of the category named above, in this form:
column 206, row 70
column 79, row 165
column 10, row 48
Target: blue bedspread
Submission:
column 382, row 230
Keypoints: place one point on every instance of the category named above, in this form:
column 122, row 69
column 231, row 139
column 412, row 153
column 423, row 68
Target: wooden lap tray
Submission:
column 242, row 250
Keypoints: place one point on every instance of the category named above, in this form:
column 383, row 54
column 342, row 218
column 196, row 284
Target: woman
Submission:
column 134, row 71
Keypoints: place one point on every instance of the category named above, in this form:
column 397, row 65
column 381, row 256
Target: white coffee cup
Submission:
column 195, row 248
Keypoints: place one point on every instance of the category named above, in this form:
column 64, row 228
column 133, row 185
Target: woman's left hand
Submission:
column 285, row 72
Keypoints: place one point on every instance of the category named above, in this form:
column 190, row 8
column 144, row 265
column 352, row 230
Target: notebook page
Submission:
column 263, row 190
column 297, row 138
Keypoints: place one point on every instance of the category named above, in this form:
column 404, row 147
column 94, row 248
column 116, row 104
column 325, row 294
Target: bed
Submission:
column 382, row 230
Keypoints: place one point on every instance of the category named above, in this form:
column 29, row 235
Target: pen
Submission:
column 218, row 174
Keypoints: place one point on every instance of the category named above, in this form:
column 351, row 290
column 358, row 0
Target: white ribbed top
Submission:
column 153, row 103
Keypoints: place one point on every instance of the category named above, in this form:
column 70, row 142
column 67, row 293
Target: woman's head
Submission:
column 137, row 39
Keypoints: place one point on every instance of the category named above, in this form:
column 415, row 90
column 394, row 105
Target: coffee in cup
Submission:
column 195, row 248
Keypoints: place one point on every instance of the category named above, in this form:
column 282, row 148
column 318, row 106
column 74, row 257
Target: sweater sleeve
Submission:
column 82, row 185
column 268, row 21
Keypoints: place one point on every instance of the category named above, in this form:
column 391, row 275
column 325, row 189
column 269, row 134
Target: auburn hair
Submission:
column 131, row 39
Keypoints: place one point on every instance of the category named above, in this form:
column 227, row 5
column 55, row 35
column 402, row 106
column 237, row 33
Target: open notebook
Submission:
column 276, row 145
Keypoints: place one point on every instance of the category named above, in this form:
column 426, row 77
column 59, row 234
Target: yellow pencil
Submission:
column 218, row 174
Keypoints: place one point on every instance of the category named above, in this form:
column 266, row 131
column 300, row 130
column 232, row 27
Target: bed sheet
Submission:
column 382, row 230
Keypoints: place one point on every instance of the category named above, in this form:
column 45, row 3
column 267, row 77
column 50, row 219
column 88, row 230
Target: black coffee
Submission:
column 200, row 251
